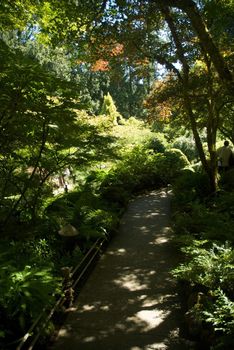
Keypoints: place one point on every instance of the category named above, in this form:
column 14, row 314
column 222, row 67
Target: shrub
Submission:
column 24, row 293
column 109, row 109
column 211, row 267
column 224, row 203
column 187, row 146
column 220, row 313
column 170, row 163
column 137, row 171
column 227, row 180
column 203, row 222
column 158, row 143
column 190, row 186
column 209, row 261
column 99, row 222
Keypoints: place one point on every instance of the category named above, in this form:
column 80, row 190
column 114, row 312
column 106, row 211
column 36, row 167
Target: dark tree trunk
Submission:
column 199, row 26
column 209, row 167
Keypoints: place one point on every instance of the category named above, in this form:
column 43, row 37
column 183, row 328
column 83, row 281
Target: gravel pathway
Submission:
column 130, row 300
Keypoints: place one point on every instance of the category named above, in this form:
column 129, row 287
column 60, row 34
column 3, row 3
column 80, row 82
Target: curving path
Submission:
column 130, row 300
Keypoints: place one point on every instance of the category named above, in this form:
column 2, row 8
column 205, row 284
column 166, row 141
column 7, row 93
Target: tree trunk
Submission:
column 27, row 184
column 190, row 8
column 130, row 90
column 210, row 169
column 212, row 126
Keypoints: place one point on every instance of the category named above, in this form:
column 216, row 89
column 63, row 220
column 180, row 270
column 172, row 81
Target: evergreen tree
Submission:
column 109, row 109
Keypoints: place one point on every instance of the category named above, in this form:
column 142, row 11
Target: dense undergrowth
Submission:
column 203, row 224
column 31, row 263
column 32, row 257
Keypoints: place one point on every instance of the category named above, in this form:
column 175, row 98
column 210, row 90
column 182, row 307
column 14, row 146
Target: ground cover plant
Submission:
column 203, row 225
column 79, row 79
column 31, row 264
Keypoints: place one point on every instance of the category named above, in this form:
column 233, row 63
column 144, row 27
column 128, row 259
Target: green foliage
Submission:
column 38, row 250
column 224, row 203
column 227, row 180
column 28, row 283
column 199, row 215
column 170, row 164
column 220, row 313
column 24, row 293
column 211, row 267
column 42, row 133
column 86, row 211
column 158, row 143
column 187, row 146
column 96, row 222
column 60, row 210
column 209, row 261
column 203, row 222
column 28, row 112
column 141, row 169
column 136, row 171
column 133, row 133
column 99, row 218
column 190, row 185
column 17, row 16
column 109, row 109
column 95, row 207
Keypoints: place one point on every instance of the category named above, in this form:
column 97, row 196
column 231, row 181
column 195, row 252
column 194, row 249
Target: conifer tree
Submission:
column 109, row 109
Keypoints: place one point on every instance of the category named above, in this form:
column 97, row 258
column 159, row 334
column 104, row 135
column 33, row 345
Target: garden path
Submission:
column 130, row 301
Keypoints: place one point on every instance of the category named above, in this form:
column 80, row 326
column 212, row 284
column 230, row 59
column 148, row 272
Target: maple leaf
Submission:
column 100, row 65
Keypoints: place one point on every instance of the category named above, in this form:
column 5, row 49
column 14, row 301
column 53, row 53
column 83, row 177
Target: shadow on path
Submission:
column 130, row 300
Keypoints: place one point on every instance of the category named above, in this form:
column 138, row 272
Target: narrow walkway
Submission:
column 129, row 302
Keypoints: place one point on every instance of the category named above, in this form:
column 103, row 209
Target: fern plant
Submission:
column 212, row 267
column 220, row 313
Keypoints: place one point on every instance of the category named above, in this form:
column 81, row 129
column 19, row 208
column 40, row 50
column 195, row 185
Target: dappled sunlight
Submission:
column 130, row 302
column 96, row 306
column 89, row 339
column 160, row 240
column 118, row 252
column 144, row 229
column 148, row 319
column 130, row 282
column 151, row 302
column 153, row 214
column 87, row 307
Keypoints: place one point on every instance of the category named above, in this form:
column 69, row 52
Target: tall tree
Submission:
column 95, row 31
column 208, row 45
